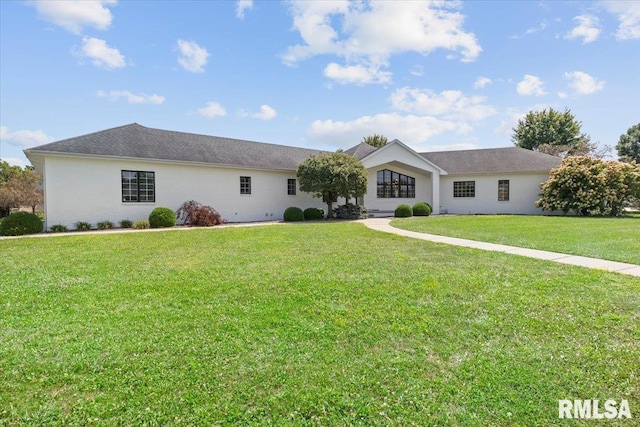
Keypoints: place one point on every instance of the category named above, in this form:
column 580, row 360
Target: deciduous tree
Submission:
column 18, row 187
column 375, row 140
column 333, row 175
column 552, row 132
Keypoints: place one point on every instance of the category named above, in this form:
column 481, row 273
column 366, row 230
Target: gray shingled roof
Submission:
column 136, row 141
column 361, row 150
column 493, row 160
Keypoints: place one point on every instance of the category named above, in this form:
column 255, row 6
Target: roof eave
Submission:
column 153, row 160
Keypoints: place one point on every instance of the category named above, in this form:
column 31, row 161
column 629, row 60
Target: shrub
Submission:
column 313, row 213
column 421, row 209
column 350, row 211
column 141, row 225
column 195, row 214
column 20, row 223
column 105, row 225
column 590, row 186
column 403, row 211
column 162, row 217
column 293, row 214
column 59, row 228
column 83, row 226
column 126, row 223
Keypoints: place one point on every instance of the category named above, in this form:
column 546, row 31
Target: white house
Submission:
column 125, row 172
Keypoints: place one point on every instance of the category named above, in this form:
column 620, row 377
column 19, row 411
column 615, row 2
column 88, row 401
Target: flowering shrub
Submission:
column 195, row 214
column 590, row 186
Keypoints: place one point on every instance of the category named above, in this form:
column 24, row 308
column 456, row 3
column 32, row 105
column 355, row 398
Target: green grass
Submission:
column 305, row 324
column 616, row 239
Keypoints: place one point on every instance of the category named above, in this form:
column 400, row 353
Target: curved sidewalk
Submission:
column 382, row 224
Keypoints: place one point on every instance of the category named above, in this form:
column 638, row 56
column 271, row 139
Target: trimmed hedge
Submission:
column 421, row 209
column 20, row 223
column 313, row 213
column 403, row 211
column 162, row 217
column 293, row 214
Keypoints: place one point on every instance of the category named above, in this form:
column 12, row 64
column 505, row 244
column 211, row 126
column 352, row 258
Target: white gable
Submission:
column 397, row 152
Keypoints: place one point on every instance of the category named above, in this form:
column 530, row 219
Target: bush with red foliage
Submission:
column 195, row 214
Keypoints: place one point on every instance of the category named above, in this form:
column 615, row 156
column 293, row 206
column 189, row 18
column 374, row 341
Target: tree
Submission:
column 333, row 175
column 552, row 132
column 375, row 140
column 590, row 186
column 18, row 187
column 629, row 145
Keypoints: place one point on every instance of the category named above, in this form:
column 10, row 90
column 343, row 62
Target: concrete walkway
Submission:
column 382, row 224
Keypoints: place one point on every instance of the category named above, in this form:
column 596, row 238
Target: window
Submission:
column 138, row 186
column 395, row 185
column 464, row 189
column 503, row 190
column 245, row 185
column 291, row 187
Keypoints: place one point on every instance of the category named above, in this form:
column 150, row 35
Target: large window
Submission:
column 291, row 187
column 503, row 190
column 245, row 185
column 464, row 189
column 138, row 186
column 395, row 185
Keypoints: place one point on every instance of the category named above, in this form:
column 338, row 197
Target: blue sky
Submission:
column 436, row 75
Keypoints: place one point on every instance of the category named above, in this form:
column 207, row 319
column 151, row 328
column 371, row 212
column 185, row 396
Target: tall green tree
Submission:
column 375, row 140
column 552, row 132
column 629, row 145
column 333, row 175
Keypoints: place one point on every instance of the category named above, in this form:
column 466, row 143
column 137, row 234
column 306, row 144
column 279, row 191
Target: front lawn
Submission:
column 615, row 239
column 304, row 324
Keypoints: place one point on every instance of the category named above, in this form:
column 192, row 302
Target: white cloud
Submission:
column 266, row 113
column 371, row 32
column 410, row 129
column 102, row 55
column 131, row 98
column 583, row 83
column 628, row 14
column 417, row 70
column 213, row 109
column 24, row 138
column 509, row 121
column 511, row 116
column 14, row 161
column 482, row 82
column 451, row 104
column 543, row 25
column 192, row 57
column 242, row 6
column 530, row 85
column 563, row 95
column 75, row 15
column 357, row 74
column 588, row 29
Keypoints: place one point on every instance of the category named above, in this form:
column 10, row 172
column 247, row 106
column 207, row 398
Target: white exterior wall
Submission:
column 399, row 158
column 524, row 190
column 82, row 189
column 423, row 189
